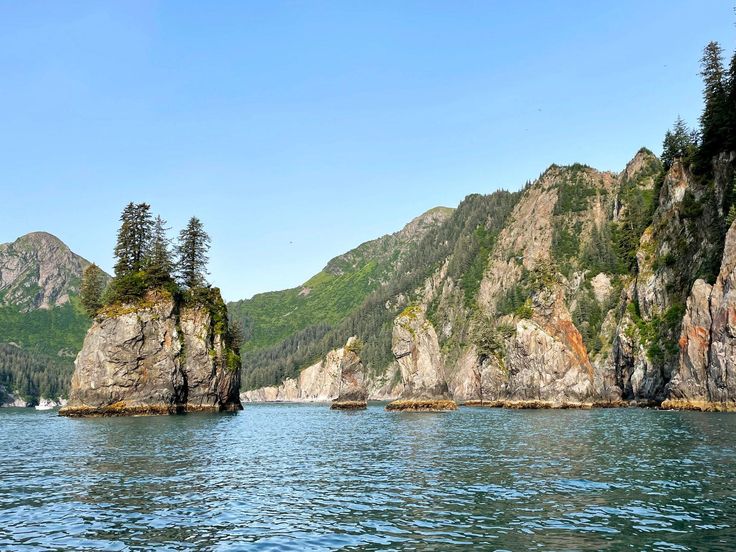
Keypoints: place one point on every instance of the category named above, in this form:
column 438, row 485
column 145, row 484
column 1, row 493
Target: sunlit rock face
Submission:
column 156, row 357
column 416, row 348
column 706, row 375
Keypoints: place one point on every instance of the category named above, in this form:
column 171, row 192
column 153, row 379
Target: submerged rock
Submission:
column 160, row 356
column 416, row 348
column 353, row 392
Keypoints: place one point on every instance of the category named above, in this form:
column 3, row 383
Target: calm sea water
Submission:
column 300, row 477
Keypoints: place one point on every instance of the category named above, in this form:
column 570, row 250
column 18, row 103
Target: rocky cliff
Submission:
column 572, row 293
column 705, row 378
column 416, row 348
column 163, row 355
column 322, row 381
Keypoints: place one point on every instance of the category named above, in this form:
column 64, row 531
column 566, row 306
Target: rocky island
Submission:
column 158, row 345
column 353, row 394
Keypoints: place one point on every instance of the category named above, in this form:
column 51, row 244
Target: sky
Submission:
column 297, row 130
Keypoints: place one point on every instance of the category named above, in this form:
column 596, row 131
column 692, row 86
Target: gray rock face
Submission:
column 543, row 362
column 416, row 348
column 353, row 390
column 37, row 271
column 339, row 376
column 158, row 357
column 706, row 375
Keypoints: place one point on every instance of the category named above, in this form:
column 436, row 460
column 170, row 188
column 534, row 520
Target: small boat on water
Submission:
column 44, row 407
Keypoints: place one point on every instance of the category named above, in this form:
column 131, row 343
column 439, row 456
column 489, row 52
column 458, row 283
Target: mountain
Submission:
column 572, row 291
column 327, row 298
column 40, row 315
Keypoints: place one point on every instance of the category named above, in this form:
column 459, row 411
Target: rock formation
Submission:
column 573, row 293
column 353, row 394
column 416, row 348
column 339, row 377
column 160, row 356
column 706, row 375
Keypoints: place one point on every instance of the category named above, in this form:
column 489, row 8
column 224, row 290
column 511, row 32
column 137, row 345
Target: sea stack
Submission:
column 353, row 394
column 416, row 349
column 163, row 354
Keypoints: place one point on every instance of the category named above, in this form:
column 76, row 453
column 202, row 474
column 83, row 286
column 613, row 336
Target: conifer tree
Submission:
column 134, row 238
column 678, row 143
column 159, row 266
column 713, row 121
column 194, row 243
column 731, row 105
column 91, row 290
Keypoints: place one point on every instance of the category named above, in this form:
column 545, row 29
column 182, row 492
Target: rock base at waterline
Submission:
column 123, row 409
column 422, row 405
column 530, row 404
column 700, row 406
column 349, row 405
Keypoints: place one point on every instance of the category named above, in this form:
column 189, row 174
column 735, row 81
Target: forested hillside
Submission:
column 42, row 323
column 574, row 289
column 469, row 231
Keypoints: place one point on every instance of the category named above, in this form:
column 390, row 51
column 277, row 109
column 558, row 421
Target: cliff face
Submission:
column 157, row 357
column 706, row 374
column 339, row 375
column 576, row 294
column 416, row 349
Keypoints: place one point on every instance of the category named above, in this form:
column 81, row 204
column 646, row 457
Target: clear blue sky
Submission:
column 297, row 130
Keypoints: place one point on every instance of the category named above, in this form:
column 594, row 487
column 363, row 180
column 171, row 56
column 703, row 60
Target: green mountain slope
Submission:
column 41, row 320
column 335, row 292
column 465, row 234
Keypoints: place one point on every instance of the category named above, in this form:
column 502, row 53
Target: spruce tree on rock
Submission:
column 160, row 265
column 678, row 143
column 194, row 243
column 134, row 238
column 714, row 120
column 91, row 290
column 731, row 105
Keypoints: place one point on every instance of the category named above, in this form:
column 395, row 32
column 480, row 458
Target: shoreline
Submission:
column 534, row 404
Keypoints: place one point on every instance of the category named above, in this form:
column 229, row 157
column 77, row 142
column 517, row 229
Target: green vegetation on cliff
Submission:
column 467, row 234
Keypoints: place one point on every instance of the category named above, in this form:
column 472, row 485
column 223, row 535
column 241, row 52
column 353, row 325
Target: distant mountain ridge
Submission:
column 40, row 315
column 334, row 292
column 39, row 271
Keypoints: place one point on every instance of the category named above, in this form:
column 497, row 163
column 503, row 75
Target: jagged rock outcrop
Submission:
column 353, row 394
column 416, row 348
column 38, row 271
column 160, row 356
column 575, row 292
column 706, row 375
column 325, row 380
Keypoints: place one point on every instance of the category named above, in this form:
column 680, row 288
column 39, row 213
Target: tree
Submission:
column 134, row 238
column 678, row 143
column 93, row 285
column 731, row 104
column 714, row 120
column 194, row 243
column 159, row 266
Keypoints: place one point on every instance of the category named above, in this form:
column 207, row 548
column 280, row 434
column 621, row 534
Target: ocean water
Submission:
column 301, row 477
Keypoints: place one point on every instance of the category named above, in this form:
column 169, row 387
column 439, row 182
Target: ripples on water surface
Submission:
column 301, row 477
